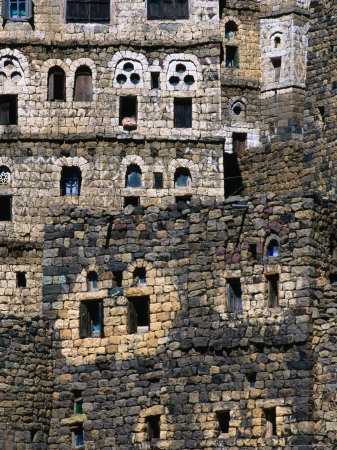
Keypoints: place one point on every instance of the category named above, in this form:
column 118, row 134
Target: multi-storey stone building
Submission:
column 167, row 224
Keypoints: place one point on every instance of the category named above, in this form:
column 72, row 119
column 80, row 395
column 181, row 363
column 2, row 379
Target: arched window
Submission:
column 230, row 30
column 139, row 276
column 83, row 85
column 71, row 181
column 182, row 177
column 277, row 42
column 5, row 176
column 133, row 177
column 93, row 281
column 56, row 84
column 273, row 248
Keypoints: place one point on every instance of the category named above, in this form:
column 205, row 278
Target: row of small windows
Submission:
column 153, row 425
column 97, row 11
column 128, row 106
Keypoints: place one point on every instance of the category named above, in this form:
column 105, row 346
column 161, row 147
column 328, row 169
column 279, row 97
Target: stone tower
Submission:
column 167, row 224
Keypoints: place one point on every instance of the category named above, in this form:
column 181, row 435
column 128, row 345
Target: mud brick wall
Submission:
column 25, row 381
column 196, row 358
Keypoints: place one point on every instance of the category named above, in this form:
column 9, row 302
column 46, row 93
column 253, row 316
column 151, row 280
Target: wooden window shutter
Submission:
column 153, row 9
column 83, row 85
column 230, row 298
column 132, row 319
column 51, row 86
column 29, row 9
column 236, row 58
column 100, row 317
column 84, row 320
column 4, row 112
column 167, row 9
column 5, row 9
column 182, row 9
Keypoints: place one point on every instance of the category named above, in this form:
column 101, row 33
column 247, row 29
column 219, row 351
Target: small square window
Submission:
column 234, row 295
column 93, row 281
column 184, row 198
column 232, row 56
column 183, row 113
column 139, row 314
column 153, row 427
column 21, row 279
column 5, row 209
column 155, row 80
column 8, row 109
column 78, row 437
column 91, row 319
column 132, row 200
column 128, row 110
column 158, row 180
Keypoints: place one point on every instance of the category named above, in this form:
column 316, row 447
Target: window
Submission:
column 8, row 109
column 223, row 421
column 239, row 142
column 139, row 314
column 5, row 209
column 21, row 279
column 273, row 294
column 93, row 281
column 84, row 11
column 16, row 9
column 183, row 198
column 230, row 30
column 83, row 85
column 183, row 113
column 232, row 56
column 277, row 42
column 158, row 180
column 252, row 252
column 127, row 109
column 139, row 276
column 78, row 438
column 153, row 427
column 78, row 403
column 91, row 319
column 133, row 176
column 270, row 415
column 273, row 248
column 234, row 300
column 56, row 84
column 167, row 9
column 131, row 200
column 276, row 62
column 5, row 176
column 70, row 181
column 182, row 177
column 155, row 80
column 251, row 378
column 117, row 278
column 232, row 173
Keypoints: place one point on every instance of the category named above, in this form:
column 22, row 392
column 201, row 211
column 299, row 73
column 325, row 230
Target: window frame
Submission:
column 5, row 10
column 183, row 119
column 85, row 93
column 172, row 14
column 234, row 295
column 87, row 20
column 133, row 318
column 12, row 101
column 86, row 319
column 54, row 72
column 63, row 183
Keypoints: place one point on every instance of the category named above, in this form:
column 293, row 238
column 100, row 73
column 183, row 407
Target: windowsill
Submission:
column 169, row 20
column 142, row 330
column 223, row 436
column 11, row 19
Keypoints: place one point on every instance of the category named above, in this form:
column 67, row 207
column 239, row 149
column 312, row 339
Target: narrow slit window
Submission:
column 83, row 85
column 232, row 173
column 158, row 180
column 239, row 143
column 223, row 418
column 183, row 113
column 8, row 109
column 56, row 84
column 117, row 278
column 277, row 63
column 270, row 416
column 21, row 279
column 91, row 319
column 155, row 80
column 78, row 403
column 153, row 427
column 273, row 249
column 230, row 30
column 78, row 437
column 71, row 181
column 234, row 295
column 93, row 281
column 232, row 56
column 251, row 378
column 139, row 314
column 252, row 252
column 273, row 290
column 5, row 209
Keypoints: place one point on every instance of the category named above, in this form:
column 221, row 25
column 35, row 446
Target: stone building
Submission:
column 167, row 224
